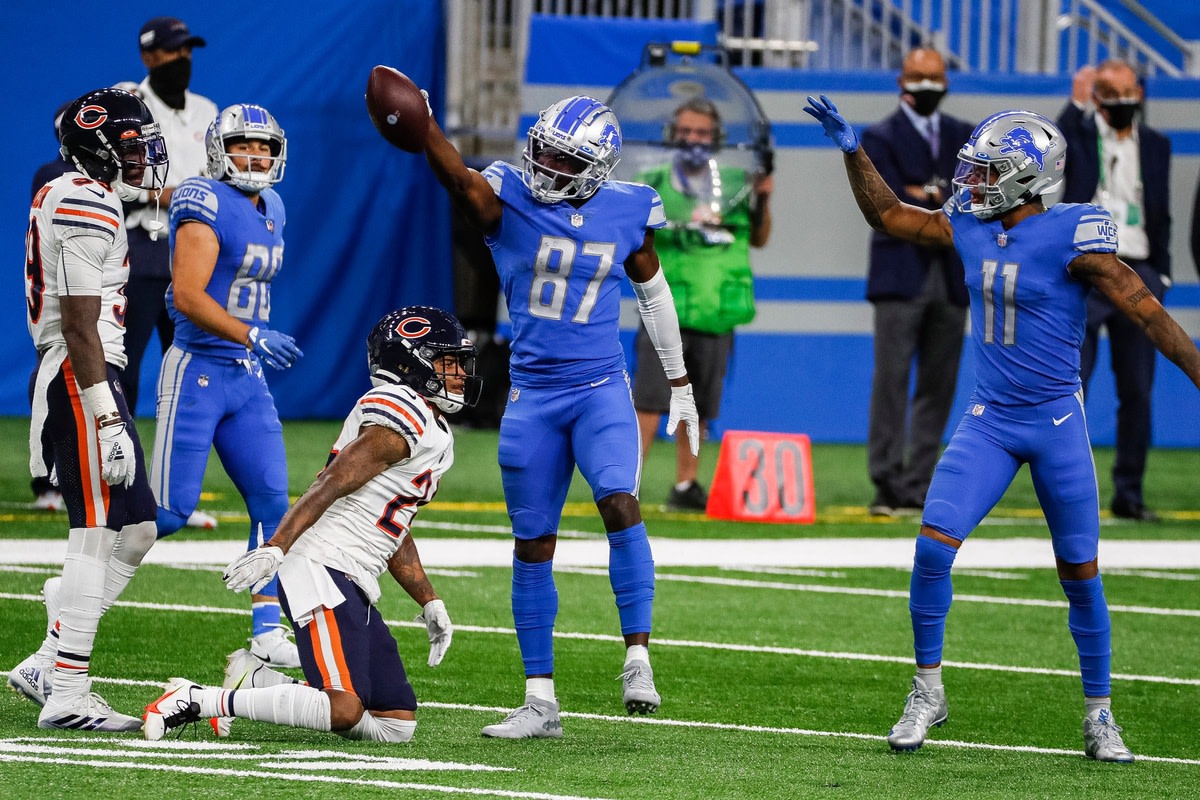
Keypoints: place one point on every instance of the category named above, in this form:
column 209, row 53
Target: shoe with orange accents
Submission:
column 174, row 709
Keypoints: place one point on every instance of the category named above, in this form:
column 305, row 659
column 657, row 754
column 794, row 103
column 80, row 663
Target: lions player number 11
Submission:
column 1008, row 275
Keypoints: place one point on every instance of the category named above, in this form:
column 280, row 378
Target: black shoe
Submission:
column 1136, row 511
column 691, row 499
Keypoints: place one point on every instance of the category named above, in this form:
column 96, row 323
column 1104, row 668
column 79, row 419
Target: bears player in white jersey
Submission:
column 76, row 266
column 226, row 235
column 351, row 525
column 1029, row 268
column 564, row 236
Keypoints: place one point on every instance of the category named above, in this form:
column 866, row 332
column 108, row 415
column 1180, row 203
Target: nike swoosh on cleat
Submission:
column 1061, row 420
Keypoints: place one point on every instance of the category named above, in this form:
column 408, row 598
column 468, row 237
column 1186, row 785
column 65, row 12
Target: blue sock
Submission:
column 631, row 573
column 929, row 594
column 1092, row 631
column 265, row 615
column 534, row 607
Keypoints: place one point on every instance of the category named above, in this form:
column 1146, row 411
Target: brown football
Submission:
column 397, row 108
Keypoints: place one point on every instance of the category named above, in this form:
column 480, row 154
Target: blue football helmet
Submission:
column 245, row 121
column 1011, row 158
column 584, row 138
column 110, row 135
column 405, row 345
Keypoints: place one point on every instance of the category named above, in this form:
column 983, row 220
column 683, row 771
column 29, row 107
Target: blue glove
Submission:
column 835, row 126
column 274, row 348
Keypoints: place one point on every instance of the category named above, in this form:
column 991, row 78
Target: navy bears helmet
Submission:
column 405, row 345
column 110, row 135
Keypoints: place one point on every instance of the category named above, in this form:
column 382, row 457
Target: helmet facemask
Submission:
column 427, row 350
column 245, row 123
column 580, row 138
column 1012, row 158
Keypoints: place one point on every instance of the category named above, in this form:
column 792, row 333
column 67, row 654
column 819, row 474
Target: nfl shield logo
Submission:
column 513, row 395
column 270, row 226
column 1002, row 239
column 577, row 220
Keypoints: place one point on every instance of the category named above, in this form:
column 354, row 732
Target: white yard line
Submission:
column 731, row 553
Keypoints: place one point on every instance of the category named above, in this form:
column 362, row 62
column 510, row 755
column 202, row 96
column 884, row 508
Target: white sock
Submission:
column 130, row 547
column 1092, row 704
column 637, row 652
column 294, row 704
column 541, row 688
column 380, row 729
column 932, row 676
column 82, row 595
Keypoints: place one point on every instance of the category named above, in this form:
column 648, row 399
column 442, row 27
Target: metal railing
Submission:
column 488, row 41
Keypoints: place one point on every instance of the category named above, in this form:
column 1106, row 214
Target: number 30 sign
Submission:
column 763, row 477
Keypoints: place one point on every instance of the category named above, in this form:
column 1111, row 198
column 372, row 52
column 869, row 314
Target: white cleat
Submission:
column 924, row 708
column 202, row 520
column 275, row 648
column 537, row 719
column 638, row 692
column 49, row 501
column 173, row 709
column 85, row 712
column 1102, row 738
column 33, row 678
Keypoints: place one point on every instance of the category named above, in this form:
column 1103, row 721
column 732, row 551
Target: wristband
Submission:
column 99, row 400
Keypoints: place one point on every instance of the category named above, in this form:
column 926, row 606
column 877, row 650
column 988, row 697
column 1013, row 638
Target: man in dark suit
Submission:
column 918, row 293
column 1123, row 165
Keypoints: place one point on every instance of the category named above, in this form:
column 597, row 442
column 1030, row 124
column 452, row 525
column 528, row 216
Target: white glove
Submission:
column 118, row 461
column 131, row 194
column 437, row 622
column 253, row 569
column 683, row 410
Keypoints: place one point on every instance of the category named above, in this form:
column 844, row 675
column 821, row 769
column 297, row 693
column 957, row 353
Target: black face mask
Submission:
column 694, row 156
column 925, row 101
column 169, row 81
column 1120, row 113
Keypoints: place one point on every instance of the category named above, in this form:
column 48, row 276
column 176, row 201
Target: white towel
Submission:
column 308, row 587
column 49, row 367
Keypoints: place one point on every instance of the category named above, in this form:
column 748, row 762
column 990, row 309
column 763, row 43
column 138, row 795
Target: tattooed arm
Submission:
column 885, row 212
column 405, row 566
column 1125, row 289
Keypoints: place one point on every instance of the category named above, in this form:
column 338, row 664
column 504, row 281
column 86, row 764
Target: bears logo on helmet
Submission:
column 408, row 346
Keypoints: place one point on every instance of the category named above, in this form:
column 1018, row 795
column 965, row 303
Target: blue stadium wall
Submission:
column 804, row 364
column 368, row 227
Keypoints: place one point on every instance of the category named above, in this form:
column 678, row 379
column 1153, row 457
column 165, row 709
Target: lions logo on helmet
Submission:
column 110, row 135
column 406, row 347
column 242, row 122
column 579, row 133
column 1011, row 158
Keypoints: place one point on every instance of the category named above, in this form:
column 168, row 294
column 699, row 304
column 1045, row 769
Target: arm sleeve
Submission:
column 82, row 266
column 657, row 307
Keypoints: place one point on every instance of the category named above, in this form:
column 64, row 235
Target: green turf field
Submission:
column 775, row 682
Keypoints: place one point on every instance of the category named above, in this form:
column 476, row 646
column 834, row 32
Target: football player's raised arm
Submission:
column 192, row 262
column 469, row 190
column 1125, row 289
column 370, row 453
column 885, row 212
column 879, row 205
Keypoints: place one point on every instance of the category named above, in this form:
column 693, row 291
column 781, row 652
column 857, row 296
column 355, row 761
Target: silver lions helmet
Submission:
column 1011, row 158
column 571, row 150
column 242, row 122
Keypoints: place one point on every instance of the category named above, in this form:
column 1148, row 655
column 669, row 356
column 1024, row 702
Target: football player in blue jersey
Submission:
column 563, row 237
column 1029, row 268
column 226, row 236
